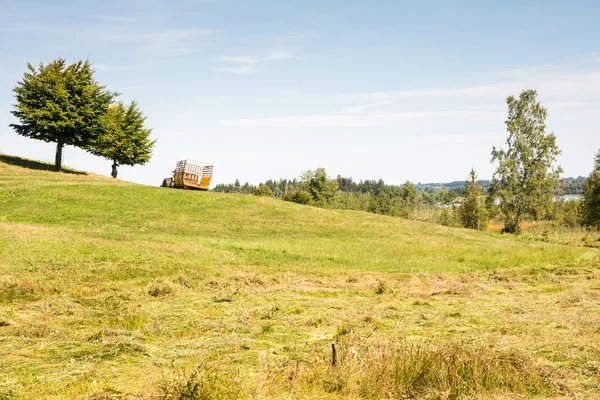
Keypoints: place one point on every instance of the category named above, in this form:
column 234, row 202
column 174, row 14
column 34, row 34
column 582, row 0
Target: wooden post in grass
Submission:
column 333, row 354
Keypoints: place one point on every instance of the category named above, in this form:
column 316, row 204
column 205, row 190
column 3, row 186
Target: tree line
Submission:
column 524, row 185
column 318, row 189
column 63, row 104
column 433, row 193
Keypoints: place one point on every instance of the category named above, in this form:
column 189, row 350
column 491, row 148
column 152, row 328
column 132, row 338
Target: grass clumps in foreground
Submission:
column 407, row 370
column 204, row 383
column 376, row 370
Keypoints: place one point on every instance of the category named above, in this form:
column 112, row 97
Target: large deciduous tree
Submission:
column 527, row 173
column 591, row 196
column 61, row 103
column 472, row 210
column 126, row 141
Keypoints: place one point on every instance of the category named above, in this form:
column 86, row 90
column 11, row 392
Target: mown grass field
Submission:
column 115, row 290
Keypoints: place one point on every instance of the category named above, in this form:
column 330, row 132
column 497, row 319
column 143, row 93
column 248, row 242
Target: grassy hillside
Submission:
column 111, row 288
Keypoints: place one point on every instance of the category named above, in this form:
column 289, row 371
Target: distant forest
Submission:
column 431, row 192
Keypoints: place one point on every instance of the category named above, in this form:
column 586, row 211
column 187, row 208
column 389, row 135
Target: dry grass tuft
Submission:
column 375, row 368
column 382, row 369
column 107, row 334
column 204, row 383
column 21, row 291
column 161, row 288
column 184, row 281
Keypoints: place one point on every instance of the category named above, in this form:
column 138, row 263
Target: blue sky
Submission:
column 369, row 89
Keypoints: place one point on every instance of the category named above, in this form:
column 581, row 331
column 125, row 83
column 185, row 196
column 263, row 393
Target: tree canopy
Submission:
column 61, row 103
column 126, row 141
column 591, row 196
column 321, row 188
column 527, row 173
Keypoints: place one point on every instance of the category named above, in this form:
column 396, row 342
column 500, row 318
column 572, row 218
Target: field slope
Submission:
column 114, row 289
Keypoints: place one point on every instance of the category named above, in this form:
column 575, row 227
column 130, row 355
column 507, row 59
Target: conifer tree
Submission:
column 473, row 212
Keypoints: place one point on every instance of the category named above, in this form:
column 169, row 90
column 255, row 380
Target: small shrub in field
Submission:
column 446, row 217
column 263, row 191
column 381, row 287
column 298, row 196
column 160, row 288
column 344, row 329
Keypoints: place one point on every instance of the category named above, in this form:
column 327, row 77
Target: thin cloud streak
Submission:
column 116, row 68
column 408, row 119
column 250, row 64
column 581, row 84
column 468, row 92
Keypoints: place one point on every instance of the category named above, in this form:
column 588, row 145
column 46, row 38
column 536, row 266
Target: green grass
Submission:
column 111, row 288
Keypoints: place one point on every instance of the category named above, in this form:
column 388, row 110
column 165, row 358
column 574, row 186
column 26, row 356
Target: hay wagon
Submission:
column 190, row 174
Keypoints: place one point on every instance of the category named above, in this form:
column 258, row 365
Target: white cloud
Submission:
column 158, row 43
column 361, row 108
column 285, row 91
column 249, row 64
column 470, row 91
column 564, row 84
column 571, row 95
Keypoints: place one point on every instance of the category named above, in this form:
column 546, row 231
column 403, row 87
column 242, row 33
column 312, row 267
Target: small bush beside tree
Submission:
column 126, row 141
column 299, row 196
column 263, row 191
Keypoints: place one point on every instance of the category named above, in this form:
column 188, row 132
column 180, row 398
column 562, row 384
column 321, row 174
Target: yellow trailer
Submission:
column 191, row 174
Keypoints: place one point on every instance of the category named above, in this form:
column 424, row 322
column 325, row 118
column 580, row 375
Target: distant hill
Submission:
column 569, row 185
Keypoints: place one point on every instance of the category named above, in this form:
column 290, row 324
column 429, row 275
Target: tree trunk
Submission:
column 114, row 170
column 58, row 157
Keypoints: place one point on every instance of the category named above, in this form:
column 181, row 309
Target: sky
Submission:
column 264, row 89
